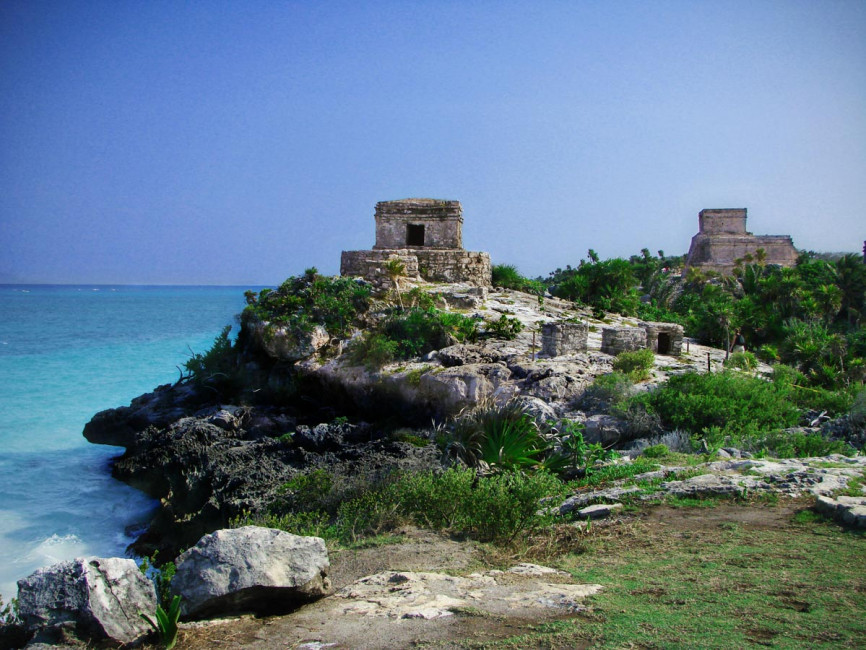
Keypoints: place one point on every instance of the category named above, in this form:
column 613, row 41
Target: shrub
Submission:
column 608, row 390
column 373, row 351
column 740, row 405
column 418, row 331
column 505, row 328
column 302, row 302
column 656, row 451
column 742, row 361
column 217, row 368
column 636, row 364
column 502, row 436
column 795, row 444
column 507, row 277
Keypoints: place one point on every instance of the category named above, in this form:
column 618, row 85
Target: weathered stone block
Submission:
column 622, row 339
column 563, row 337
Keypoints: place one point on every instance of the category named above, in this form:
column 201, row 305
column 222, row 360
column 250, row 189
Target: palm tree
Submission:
column 396, row 270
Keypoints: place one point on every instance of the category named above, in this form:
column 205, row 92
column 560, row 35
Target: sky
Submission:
column 209, row 142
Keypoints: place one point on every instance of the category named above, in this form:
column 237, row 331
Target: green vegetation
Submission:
column 216, row 369
column 311, row 299
column 636, row 364
column 409, row 333
column 507, row 277
column 165, row 624
column 732, row 408
column 742, row 361
column 716, row 582
column 606, row 286
column 494, row 508
column 505, row 328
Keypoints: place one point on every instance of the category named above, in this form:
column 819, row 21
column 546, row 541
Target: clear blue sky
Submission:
column 241, row 142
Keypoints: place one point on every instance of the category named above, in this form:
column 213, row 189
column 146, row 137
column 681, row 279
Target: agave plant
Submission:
column 166, row 622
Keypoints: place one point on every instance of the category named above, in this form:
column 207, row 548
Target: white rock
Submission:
column 101, row 596
column 251, row 569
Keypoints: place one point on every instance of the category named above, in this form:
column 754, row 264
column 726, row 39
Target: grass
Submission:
column 715, row 581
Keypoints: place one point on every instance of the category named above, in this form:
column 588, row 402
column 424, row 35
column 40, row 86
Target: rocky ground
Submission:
column 209, row 462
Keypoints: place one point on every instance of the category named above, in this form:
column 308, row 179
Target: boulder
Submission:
column 101, row 597
column 465, row 386
column 284, row 344
column 251, row 569
column 605, row 429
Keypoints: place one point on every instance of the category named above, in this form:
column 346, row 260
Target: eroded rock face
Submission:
column 101, row 597
column 251, row 569
column 284, row 344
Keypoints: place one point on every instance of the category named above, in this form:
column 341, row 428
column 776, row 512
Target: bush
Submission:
column 739, row 405
column 781, row 444
column 373, row 351
column 217, row 368
column 656, row 451
column 495, row 508
column 505, row 328
column 504, row 437
column 304, row 301
column 507, row 277
column 608, row 390
column 418, row 331
column 636, row 364
column 742, row 361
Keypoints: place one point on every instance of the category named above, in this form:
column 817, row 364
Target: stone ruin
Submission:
column 622, row 339
column 661, row 338
column 563, row 338
column 426, row 236
column 664, row 338
column 722, row 238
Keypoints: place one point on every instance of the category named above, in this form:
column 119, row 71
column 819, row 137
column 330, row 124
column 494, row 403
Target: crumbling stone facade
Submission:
column 622, row 339
column 722, row 238
column 426, row 236
column 664, row 338
column 561, row 338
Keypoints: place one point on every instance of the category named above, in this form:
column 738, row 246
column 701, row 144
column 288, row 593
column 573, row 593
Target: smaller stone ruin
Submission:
column 562, row 338
column 661, row 338
column 664, row 338
column 425, row 235
column 622, row 339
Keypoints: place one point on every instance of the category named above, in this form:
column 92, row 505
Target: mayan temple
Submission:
column 722, row 239
column 426, row 236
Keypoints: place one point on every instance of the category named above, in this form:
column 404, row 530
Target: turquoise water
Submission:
column 67, row 352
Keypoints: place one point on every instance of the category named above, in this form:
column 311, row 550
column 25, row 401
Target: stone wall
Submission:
column 664, row 338
column 430, row 265
column 622, row 339
column 563, row 338
column 370, row 265
column 441, row 221
column 723, row 238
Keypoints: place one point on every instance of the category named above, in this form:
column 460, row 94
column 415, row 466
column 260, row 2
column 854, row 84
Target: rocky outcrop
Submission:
column 250, row 569
column 99, row 598
column 409, row 595
column 285, row 344
column 224, row 460
column 848, row 510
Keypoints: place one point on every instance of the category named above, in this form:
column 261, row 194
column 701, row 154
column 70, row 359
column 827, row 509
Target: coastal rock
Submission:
column 159, row 408
column 251, row 569
column 285, row 344
column 101, row 597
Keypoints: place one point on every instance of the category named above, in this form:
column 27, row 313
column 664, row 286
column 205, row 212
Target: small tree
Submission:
column 396, row 270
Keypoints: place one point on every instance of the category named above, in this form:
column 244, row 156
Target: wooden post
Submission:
column 708, row 363
column 533, row 346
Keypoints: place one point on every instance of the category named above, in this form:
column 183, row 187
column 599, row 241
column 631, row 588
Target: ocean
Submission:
column 67, row 352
